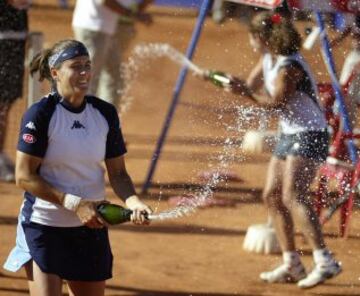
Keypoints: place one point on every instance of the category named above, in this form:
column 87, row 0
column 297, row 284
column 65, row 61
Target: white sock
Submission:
column 291, row 257
column 322, row 256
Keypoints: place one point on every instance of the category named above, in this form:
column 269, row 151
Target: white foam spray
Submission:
column 245, row 118
column 142, row 52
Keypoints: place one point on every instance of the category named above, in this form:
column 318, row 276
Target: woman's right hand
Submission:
column 88, row 215
column 144, row 18
column 239, row 86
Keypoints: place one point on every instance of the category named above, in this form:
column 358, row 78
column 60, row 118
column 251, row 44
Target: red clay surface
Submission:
column 200, row 254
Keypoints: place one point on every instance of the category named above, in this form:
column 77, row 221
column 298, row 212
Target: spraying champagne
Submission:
column 218, row 78
column 228, row 82
column 115, row 214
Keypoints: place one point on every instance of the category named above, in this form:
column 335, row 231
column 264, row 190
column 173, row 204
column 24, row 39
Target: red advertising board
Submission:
column 294, row 4
column 270, row 4
column 352, row 6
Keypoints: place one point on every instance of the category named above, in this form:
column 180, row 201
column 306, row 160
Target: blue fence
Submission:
column 180, row 3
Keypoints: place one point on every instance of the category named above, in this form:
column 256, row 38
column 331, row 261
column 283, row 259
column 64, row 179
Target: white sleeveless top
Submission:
column 302, row 112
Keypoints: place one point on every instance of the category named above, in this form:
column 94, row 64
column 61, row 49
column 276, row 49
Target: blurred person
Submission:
column 64, row 4
column 350, row 73
column 63, row 142
column 302, row 146
column 13, row 34
column 106, row 27
column 353, row 58
column 218, row 11
column 282, row 82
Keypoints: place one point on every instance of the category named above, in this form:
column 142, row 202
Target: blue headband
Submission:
column 67, row 54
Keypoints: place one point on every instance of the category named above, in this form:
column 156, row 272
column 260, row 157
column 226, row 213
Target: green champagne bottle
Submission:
column 218, row 78
column 114, row 214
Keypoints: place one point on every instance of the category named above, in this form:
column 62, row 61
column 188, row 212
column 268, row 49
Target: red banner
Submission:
column 352, row 6
column 269, row 4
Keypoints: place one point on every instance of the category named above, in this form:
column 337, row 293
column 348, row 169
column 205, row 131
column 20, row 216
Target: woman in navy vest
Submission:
column 65, row 139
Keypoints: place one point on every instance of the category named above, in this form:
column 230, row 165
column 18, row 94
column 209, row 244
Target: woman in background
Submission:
column 291, row 91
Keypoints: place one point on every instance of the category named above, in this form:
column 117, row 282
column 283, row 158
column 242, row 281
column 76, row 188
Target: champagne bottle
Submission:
column 114, row 214
column 219, row 78
column 229, row 82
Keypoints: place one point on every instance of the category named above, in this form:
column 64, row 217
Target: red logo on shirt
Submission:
column 29, row 138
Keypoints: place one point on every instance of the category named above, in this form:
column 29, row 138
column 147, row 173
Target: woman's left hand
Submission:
column 139, row 209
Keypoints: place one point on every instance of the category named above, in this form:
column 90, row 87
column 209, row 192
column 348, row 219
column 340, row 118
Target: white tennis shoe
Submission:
column 285, row 273
column 320, row 273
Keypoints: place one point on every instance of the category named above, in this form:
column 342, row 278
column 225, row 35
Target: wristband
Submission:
column 129, row 200
column 71, row 202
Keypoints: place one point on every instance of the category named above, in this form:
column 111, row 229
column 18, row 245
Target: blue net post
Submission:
column 204, row 8
column 347, row 127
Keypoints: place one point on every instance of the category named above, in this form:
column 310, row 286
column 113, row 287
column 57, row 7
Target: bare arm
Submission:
column 123, row 187
column 139, row 15
column 118, row 8
column 340, row 37
column 119, row 178
column 285, row 86
column 28, row 179
column 251, row 85
column 144, row 4
column 256, row 79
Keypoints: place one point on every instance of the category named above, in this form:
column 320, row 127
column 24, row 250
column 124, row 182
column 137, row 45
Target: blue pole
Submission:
column 176, row 94
column 335, row 83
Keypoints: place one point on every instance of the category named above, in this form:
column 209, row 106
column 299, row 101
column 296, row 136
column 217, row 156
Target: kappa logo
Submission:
column 77, row 124
column 31, row 125
column 28, row 138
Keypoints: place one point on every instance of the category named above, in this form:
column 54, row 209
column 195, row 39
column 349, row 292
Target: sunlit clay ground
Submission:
column 200, row 253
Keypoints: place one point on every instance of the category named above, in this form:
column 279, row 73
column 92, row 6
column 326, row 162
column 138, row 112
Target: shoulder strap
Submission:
column 307, row 84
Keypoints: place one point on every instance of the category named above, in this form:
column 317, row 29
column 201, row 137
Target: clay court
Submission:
column 200, row 254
